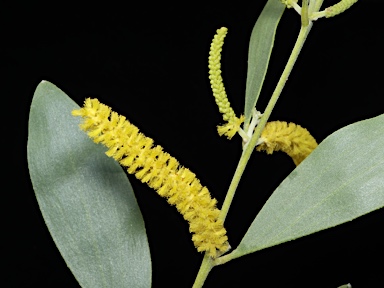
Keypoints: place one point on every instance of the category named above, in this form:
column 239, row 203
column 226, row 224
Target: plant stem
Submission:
column 205, row 268
column 208, row 263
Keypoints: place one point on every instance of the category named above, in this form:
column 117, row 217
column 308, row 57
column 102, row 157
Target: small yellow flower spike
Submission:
column 339, row 8
column 290, row 138
column 218, row 89
column 160, row 171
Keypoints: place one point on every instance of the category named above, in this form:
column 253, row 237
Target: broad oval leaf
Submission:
column 342, row 179
column 85, row 197
column 260, row 49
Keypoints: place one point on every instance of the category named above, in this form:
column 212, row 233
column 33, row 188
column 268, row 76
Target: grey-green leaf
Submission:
column 342, row 179
column 85, row 197
column 260, row 48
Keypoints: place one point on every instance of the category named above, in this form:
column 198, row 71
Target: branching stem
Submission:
column 208, row 263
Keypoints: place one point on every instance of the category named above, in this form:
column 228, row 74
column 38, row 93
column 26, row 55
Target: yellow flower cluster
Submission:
column 160, row 171
column 339, row 8
column 218, row 89
column 229, row 129
column 290, row 138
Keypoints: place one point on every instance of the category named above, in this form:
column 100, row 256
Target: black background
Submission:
column 149, row 62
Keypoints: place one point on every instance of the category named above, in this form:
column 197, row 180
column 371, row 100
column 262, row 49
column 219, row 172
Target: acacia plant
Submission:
column 88, row 203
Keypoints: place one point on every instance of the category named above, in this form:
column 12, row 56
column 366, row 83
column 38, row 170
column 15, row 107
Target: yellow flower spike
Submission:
column 160, row 171
column 290, row 138
column 217, row 86
column 339, row 8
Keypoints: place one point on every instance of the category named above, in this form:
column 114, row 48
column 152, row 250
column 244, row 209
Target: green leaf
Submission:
column 85, row 197
column 260, row 49
column 342, row 179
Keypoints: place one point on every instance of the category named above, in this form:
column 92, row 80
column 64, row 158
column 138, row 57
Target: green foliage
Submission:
column 341, row 180
column 85, row 197
column 260, row 49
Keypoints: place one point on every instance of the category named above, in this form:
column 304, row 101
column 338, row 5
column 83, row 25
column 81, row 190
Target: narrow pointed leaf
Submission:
column 341, row 180
column 260, row 49
column 85, row 197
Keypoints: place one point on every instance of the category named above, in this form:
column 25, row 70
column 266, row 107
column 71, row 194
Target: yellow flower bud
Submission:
column 289, row 3
column 339, row 8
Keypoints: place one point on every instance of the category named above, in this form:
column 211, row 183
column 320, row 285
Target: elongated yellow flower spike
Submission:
column 229, row 129
column 160, row 171
column 290, row 138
